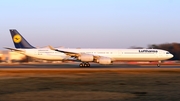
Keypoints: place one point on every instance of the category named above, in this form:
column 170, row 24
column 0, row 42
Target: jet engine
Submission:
column 104, row 60
column 86, row 57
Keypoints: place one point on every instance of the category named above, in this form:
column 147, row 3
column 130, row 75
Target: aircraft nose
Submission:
column 171, row 56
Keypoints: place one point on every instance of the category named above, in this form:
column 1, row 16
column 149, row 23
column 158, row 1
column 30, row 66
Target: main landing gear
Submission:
column 159, row 64
column 84, row 64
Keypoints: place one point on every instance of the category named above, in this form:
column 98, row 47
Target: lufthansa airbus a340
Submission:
column 85, row 56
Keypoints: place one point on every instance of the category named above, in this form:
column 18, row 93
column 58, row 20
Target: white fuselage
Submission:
column 113, row 54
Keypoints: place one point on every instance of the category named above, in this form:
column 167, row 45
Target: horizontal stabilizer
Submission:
column 13, row 49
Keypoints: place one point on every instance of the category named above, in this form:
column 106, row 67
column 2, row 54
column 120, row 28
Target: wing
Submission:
column 86, row 57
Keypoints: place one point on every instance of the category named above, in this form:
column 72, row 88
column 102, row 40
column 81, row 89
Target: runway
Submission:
column 76, row 66
column 69, row 68
column 69, row 82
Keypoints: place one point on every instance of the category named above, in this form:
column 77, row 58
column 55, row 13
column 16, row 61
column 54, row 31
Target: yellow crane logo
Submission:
column 17, row 38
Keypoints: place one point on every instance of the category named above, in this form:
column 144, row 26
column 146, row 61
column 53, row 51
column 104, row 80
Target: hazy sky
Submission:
column 91, row 23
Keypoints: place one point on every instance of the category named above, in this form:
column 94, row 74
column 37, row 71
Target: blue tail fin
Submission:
column 19, row 41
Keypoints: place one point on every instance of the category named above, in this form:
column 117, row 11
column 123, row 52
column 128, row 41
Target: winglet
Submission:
column 52, row 48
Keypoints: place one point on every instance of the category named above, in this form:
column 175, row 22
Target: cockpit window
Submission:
column 167, row 53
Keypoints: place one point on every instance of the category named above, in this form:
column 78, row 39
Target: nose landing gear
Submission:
column 159, row 64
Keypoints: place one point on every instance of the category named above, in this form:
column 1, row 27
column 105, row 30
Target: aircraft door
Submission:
column 120, row 53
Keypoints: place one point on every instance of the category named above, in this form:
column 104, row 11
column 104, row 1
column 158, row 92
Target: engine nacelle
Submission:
column 104, row 60
column 86, row 57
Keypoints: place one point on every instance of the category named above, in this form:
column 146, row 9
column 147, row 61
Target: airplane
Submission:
column 85, row 56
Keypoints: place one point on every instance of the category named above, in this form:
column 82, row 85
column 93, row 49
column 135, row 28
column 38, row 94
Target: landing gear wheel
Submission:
column 81, row 65
column 84, row 64
column 87, row 64
column 158, row 65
